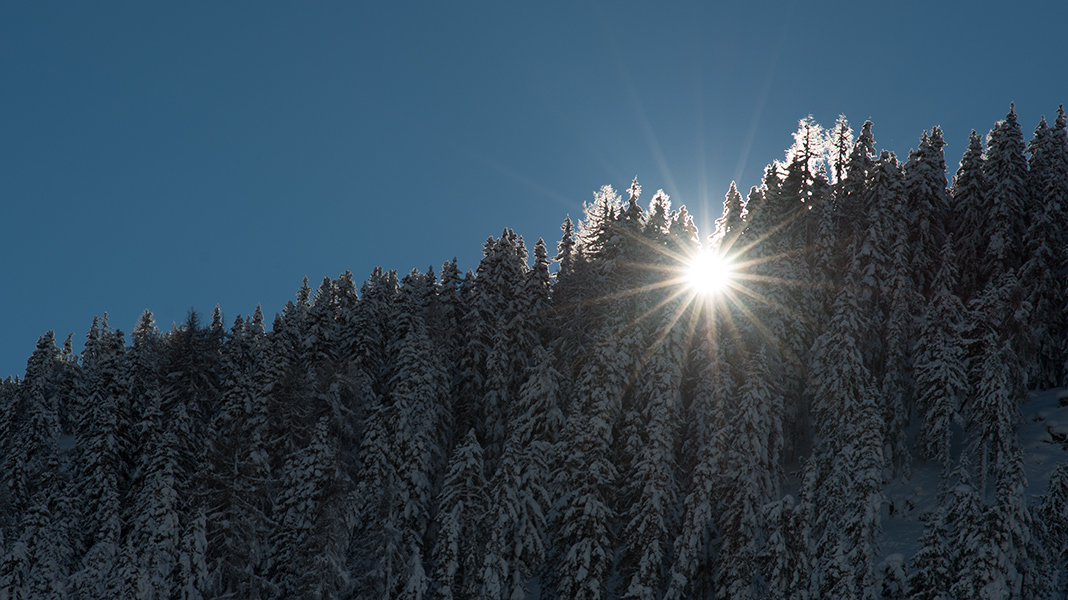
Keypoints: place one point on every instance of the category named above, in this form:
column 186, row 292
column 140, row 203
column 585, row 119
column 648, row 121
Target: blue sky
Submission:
column 169, row 157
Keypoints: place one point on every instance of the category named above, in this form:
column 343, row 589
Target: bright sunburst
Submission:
column 709, row 273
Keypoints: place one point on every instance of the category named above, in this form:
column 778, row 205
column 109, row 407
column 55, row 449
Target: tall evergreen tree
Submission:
column 928, row 212
column 730, row 225
column 993, row 413
column 970, row 201
column 941, row 367
column 1005, row 218
column 651, row 442
column 462, row 503
column 403, row 452
column 1053, row 513
column 104, row 444
column 519, row 496
column 306, row 558
column 587, row 476
column 932, row 566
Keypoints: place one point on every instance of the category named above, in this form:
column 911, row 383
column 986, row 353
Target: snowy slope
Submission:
column 1042, row 434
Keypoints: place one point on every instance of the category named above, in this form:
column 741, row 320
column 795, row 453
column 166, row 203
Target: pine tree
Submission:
column 33, row 428
column 1005, row 219
column 840, row 377
column 105, row 441
column 851, row 209
column 1044, row 292
column 306, row 547
column 690, row 572
column 402, row 452
column 928, row 208
column 1053, row 513
column 192, row 575
column 156, row 519
column 1013, row 527
column 519, row 498
column 651, row 491
column 235, row 477
column 903, row 302
column 841, row 144
column 875, row 254
column 1044, row 247
column 972, row 552
column 461, row 504
column 784, row 558
column 970, row 201
column 931, row 568
column 565, row 249
column 856, row 530
column 38, row 562
column 586, row 477
column 993, row 413
column 748, row 483
column 730, row 225
column 941, row 368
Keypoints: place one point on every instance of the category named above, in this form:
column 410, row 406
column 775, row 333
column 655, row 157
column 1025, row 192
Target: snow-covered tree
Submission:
column 894, row 578
column 970, row 201
column 105, row 443
column 462, row 503
column 941, row 367
column 784, row 559
column 730, row 225
column 931, row 570
column 1005, row 217
column 928, row 212
column 586, row 479
column 993, row 410
column 1053, row 512
column 306, row 545
column 651, row 489
column 519, row 497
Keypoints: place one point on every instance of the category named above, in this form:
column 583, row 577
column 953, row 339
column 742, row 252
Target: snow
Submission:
column 1045, row 416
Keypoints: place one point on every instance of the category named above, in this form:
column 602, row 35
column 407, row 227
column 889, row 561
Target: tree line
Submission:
column 583, row 425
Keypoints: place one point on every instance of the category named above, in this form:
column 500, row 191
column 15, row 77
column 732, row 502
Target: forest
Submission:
column 581, row 423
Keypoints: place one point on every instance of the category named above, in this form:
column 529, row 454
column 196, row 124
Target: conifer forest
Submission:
column 868, row 409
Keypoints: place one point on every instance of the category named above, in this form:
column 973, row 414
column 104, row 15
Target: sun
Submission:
column 709, row 273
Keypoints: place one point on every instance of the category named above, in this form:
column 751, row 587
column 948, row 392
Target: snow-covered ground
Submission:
column 1044, row 436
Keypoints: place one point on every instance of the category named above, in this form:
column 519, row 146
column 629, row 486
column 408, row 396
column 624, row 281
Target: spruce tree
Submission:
column 931, row 568
column 850, row 207
column 157, row 516
column 970, row 202
column 1053, row 512
column 784, row 558
column 971, row 550
column 1005, row 218
column 894, row 577
column 941, row 368
column 586, row 477
column 993, row 411
column 462, row 502
column 104, row 444
column 307, row 541
column 651, row 491
column 927, row 218
column 730, row 225
column 519, row 497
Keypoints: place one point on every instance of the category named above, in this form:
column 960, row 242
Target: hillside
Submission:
column 863, row 403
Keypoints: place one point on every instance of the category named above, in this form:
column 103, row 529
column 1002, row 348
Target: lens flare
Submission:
column 709, row 273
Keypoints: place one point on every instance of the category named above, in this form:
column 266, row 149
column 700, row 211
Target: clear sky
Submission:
column 178, row 156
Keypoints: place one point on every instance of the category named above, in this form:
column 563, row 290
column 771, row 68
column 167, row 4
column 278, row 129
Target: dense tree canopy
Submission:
column 588, row 426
